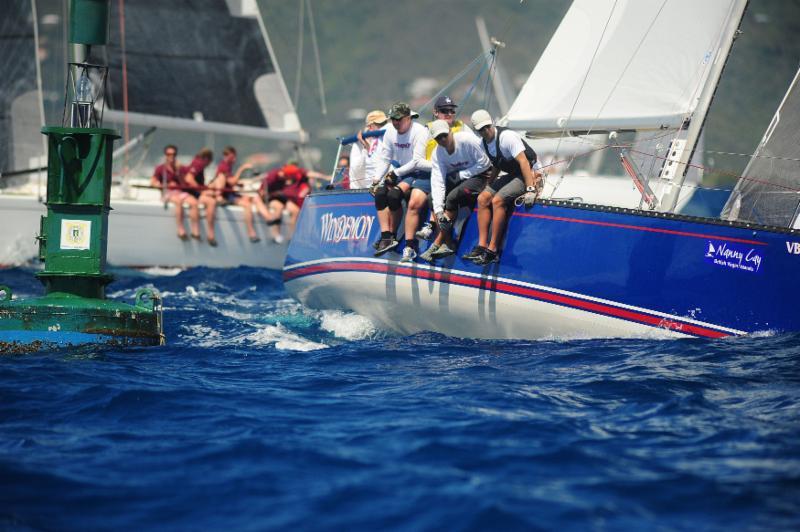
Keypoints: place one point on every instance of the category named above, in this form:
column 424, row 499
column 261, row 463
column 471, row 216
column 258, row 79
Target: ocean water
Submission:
column 260, row 414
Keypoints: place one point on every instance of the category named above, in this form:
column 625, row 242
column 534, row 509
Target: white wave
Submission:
column 206, row 336
column 347, row 325
column 282, row 338
column 158, row 271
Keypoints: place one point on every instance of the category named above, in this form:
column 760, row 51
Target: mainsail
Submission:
column 623, row 65
column 197, row 65
column 769, row 190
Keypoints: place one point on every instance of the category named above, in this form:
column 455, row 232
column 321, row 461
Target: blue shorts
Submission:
column 422, row 183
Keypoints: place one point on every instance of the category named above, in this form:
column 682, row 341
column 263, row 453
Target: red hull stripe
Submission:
column 639, row 228
column 324, row 205
column 508, row 288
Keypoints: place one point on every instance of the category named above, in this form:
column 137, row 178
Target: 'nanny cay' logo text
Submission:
column 344, row 227
column 745, row 259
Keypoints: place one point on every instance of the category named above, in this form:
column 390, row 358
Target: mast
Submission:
column 698, row 118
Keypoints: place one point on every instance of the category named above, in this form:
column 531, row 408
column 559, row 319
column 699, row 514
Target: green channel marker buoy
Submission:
column 73, row 235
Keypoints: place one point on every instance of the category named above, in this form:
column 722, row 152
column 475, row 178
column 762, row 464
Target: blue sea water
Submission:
column 260, row 414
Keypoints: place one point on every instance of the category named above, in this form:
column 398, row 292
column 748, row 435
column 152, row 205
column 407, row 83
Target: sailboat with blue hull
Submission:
column 571, row 269
column 568, row 270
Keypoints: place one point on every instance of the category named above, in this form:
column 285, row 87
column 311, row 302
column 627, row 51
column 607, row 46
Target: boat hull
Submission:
column 142, row 234
column 567, row 271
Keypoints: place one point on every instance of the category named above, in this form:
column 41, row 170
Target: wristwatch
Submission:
column 530, row 189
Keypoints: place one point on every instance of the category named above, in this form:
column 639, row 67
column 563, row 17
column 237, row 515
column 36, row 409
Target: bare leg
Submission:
column 385, row 220
column 294, row 211
column 261, row 207
column 175, row 200
column 484, row 217
column 210, row 203
column 247, row 207
column 416, row 203
column 499, row 217
column 275, row 212
column 194, row 214
column 396, row 216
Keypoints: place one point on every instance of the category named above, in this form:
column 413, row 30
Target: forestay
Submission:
column 624, row 65
column 769, row 190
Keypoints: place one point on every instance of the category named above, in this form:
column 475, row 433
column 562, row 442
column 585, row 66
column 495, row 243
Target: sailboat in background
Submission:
column 642, row 73
column 214, row 81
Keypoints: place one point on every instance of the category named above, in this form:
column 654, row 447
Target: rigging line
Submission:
column 464, row 72
column 580, row 89
column 316, row 56
column 721, row 172
column 298, row 74
column 487, row 88
column 753, row 155
column 126, row 126
column 468, row 95
column 628, row 64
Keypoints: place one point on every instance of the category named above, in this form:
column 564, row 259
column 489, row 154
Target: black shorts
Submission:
column 465, row 193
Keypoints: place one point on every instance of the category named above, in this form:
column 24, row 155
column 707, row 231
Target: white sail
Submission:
column 624, row 65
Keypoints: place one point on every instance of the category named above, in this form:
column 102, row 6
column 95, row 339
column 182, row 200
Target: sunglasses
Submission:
column 446, row 111
column 441, row 138
column 484, row 129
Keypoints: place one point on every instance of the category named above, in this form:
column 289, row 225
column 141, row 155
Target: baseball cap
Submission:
column 376, row 117
column 401, row 109
column 444, row 102
column 438, row 127
column 481, row 118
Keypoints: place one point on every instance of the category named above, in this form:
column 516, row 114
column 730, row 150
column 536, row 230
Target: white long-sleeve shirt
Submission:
column 468, row 159
column 407, row 149
column 363, row 161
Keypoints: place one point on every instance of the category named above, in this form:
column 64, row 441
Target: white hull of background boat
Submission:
column 142, row 234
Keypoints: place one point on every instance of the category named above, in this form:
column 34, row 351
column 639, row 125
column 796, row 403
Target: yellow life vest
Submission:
column 457, row 126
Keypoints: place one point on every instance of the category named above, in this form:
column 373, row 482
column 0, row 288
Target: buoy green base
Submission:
column 60, row 319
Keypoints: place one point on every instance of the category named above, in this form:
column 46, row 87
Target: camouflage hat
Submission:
column 399, row 110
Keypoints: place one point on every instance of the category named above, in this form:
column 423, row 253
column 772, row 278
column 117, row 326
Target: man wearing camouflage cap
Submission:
column 404, row 149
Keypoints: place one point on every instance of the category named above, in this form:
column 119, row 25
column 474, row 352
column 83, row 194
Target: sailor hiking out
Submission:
column 404, row 149
column 459, row 172
column 444, row 109
column 509, row 153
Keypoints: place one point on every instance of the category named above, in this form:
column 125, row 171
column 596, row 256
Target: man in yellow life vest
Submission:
column 443, row 109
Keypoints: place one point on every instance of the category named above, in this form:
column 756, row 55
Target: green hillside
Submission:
column 372, row 53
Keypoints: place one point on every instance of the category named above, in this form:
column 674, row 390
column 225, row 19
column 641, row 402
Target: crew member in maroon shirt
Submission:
column 167, row 176
column 285, row 188
column 194, row 181
column 225, row 183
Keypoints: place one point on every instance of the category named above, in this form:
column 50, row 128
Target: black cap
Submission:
column 444, row 102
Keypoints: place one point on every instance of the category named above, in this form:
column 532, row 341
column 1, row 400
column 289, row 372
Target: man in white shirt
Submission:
column 404, row 148
column 459, row 170
column 523, row 178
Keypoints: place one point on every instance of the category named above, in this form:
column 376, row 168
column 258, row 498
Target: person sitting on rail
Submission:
column 404, row 145
column 167, row 177
column 284, row 188
column 443, row 109
column 225, row 184
column 459, row 172
column 364, row 154
column 509, row 153
column 194, row 181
